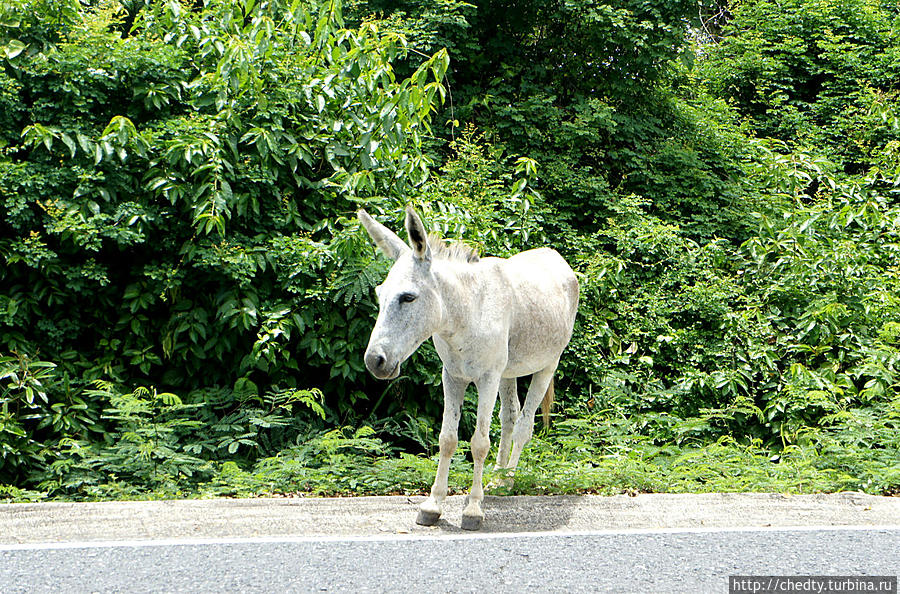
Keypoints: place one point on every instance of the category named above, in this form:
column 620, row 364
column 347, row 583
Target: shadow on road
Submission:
column 509, row 513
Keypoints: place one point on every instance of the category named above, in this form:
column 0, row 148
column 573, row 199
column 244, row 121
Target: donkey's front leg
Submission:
column 481, row 443
column 454, row 391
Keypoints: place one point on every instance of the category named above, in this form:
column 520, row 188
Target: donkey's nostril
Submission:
column 377, row 362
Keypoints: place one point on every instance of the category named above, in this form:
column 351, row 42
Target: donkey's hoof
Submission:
column 427, row 518
column 471, row 522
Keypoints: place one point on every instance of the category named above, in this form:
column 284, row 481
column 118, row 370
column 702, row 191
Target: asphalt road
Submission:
column 667, row 561
column 647, row 543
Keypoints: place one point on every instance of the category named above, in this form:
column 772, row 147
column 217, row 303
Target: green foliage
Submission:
column 596, row 93
column 791, row 330
column 157, row 443
column 178, row 183
column 815, row 73
column 36, row 407
column 481, row 197
column 145, row 448
column 600, row 452
column 336, row 462
column 611, row 454
column 173, row 198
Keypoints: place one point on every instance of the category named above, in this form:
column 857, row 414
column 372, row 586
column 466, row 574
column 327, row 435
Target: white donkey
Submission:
column 492, row 320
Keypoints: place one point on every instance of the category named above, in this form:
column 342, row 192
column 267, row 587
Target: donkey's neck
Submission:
column 476, row 311
column 461, row 288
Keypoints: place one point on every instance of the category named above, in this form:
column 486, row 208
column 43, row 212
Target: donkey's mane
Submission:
column 455, row 250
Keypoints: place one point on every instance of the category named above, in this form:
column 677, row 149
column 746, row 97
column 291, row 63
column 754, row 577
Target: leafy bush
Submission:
column 598, row 94
column 815, row 73
column 791, row 330
column 173, row 197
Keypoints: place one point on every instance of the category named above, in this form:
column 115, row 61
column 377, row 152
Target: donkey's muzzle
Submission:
column 380, row 365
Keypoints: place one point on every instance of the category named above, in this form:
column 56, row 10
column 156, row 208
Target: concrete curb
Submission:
column 51, row 522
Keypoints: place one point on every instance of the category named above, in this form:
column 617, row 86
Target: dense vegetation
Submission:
column 185, row 295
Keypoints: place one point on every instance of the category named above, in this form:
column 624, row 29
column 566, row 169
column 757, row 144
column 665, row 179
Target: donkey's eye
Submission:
column 406, row 297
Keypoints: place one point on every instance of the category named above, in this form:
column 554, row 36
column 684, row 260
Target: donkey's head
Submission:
column 409, row 305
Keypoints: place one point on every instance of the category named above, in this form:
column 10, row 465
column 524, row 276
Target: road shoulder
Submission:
column 60, row 522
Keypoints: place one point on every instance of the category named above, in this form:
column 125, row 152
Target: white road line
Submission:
column 420, row 537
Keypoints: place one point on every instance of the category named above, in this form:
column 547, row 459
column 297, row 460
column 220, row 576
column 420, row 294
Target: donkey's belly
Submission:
column 521, row 370
column 531, row 361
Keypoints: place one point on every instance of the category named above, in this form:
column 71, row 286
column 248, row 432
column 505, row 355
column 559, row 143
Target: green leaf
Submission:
column 13, row 48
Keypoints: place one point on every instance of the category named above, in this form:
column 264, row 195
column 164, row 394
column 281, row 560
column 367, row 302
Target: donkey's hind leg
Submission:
column 509, row 412
column 524, row 427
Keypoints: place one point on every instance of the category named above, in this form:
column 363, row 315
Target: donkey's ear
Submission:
column 385, row 239
column 418, row 238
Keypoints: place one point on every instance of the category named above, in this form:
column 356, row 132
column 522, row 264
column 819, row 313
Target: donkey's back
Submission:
column 543, row 302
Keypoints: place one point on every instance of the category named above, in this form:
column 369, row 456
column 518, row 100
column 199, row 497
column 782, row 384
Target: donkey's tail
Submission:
column 547, row 405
